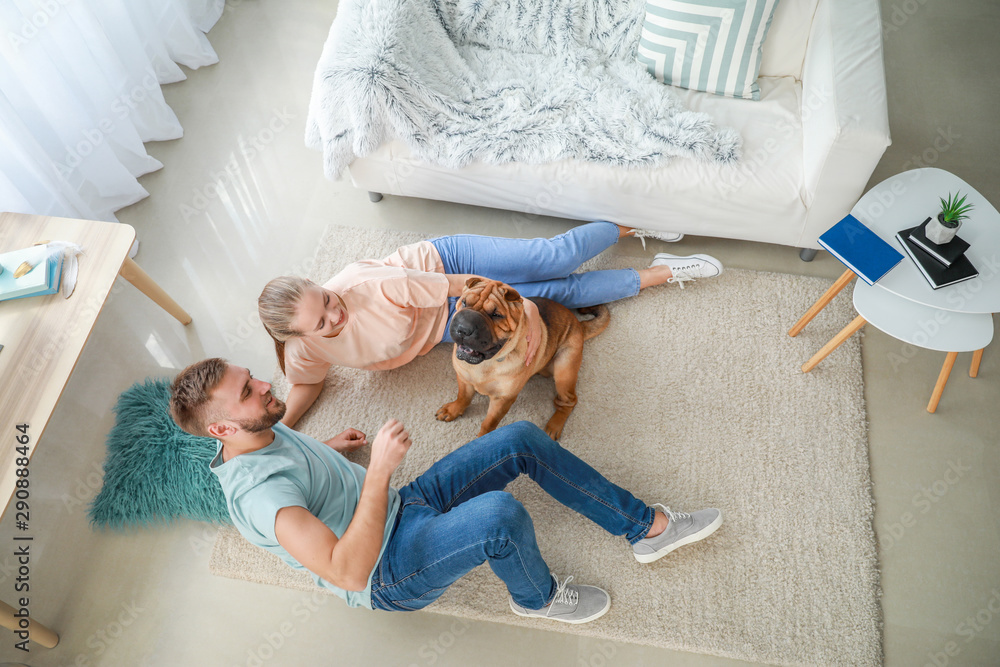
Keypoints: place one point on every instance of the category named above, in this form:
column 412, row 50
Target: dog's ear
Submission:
column 473, row 281
column 510, row 294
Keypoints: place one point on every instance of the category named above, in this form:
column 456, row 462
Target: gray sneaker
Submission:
column 571, row 603
column 683, row 529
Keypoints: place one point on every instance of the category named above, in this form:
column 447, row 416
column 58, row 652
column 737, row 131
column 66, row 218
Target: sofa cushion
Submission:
column 785, row 49
column 708, row 45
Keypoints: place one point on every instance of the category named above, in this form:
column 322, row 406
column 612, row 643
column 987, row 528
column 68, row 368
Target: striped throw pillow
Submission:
column 709, row 45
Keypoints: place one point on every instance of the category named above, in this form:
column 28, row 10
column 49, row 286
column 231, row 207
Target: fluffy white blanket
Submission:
column 499, row 81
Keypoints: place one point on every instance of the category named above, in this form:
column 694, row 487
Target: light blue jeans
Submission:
column 456, row 516
column 541, row 267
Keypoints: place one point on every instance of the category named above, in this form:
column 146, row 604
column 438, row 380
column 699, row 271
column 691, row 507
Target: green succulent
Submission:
column 954, row 210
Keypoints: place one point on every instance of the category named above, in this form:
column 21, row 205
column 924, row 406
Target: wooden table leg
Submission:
column 827, row 297
column 977, row 357
column 38, row 633
column 135, row 275
column 949, row 362
column 834, row 343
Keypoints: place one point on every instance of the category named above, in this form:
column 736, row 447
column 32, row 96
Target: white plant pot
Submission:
column 938, row 233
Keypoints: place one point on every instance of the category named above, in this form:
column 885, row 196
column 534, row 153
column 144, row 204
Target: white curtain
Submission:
column 80, row 93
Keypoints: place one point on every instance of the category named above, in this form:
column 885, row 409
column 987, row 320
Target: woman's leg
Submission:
column 581, row 290
column 430, row 550
column 492, row 461
column 525, row 260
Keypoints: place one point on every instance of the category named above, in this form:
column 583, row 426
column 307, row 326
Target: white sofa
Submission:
column 810, row 144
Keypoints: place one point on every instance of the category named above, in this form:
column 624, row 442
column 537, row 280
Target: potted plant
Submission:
column 942, row 229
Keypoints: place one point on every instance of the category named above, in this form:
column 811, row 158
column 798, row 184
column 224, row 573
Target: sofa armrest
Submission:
column 845, row 122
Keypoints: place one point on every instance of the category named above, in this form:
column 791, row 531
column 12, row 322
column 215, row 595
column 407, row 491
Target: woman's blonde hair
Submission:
column 276, row 306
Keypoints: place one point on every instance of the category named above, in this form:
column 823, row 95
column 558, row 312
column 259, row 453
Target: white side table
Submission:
column 917, row 324
column 902, row 299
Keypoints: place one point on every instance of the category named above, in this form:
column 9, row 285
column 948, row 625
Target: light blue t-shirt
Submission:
column 296, row 471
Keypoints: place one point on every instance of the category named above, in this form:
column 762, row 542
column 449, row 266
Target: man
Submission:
column 399, row 549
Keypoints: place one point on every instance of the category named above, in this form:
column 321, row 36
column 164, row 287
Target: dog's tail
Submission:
column 598, row 323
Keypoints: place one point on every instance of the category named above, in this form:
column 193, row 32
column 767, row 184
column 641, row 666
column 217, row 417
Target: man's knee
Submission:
column 526, row 431
column 501, row 509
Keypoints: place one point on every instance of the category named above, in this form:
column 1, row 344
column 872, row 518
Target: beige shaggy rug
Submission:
column 692, row 398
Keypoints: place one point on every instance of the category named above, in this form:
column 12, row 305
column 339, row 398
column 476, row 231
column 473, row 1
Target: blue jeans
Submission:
column 541, row 267
column 456, row 516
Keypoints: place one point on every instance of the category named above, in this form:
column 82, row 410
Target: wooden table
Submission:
column 43, row 338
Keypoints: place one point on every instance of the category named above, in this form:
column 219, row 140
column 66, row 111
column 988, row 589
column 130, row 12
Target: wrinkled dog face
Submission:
column 485, row 318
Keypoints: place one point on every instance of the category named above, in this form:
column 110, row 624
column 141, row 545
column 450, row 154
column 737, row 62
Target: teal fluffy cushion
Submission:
column 155, row 472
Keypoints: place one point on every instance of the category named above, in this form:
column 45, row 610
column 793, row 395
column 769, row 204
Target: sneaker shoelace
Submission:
column 682, row 275
column 564, row 594
column 670, row 513
column 643, row 234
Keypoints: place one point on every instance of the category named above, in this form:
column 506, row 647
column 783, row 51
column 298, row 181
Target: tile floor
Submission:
column 147, row 599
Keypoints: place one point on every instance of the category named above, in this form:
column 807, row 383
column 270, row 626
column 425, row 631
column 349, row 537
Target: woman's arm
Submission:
column 300, row 398
column 456, row 282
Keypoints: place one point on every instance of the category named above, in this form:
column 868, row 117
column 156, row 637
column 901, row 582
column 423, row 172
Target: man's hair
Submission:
column 191, row 395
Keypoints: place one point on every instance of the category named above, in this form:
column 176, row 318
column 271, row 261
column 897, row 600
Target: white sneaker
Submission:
column 688, row 268
column 643, row 234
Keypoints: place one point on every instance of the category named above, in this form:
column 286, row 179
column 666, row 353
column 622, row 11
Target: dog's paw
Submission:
column 449, row 412
column 554, row 428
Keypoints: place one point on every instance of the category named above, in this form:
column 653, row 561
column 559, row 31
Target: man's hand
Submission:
column 390, row 446
column 533, row 320
column 348, row 441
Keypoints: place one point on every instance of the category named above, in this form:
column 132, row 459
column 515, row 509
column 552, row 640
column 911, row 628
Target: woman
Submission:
column 381, row 314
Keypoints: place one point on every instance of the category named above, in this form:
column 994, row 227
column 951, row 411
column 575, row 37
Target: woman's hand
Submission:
column 534, row 322
column 348, row 441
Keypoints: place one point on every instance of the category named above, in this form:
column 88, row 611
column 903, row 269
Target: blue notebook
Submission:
column 860, row 249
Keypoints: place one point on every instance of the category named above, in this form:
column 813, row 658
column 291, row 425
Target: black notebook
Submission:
column 936, row 273
column 947, row 253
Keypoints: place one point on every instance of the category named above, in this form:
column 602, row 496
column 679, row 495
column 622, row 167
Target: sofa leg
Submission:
column 374, row 197
column 807, row 254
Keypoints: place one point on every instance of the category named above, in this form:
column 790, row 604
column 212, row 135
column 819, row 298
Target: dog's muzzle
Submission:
column 473, row 335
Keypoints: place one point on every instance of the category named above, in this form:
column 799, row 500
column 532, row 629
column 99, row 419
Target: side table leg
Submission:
column 834, row 343
column 977, row 357
column 949, row 362
column 135, row 275
column 827, row 297
column 39, row 634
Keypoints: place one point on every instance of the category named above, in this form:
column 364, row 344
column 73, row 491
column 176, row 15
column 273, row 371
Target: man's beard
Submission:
column 265, row 422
